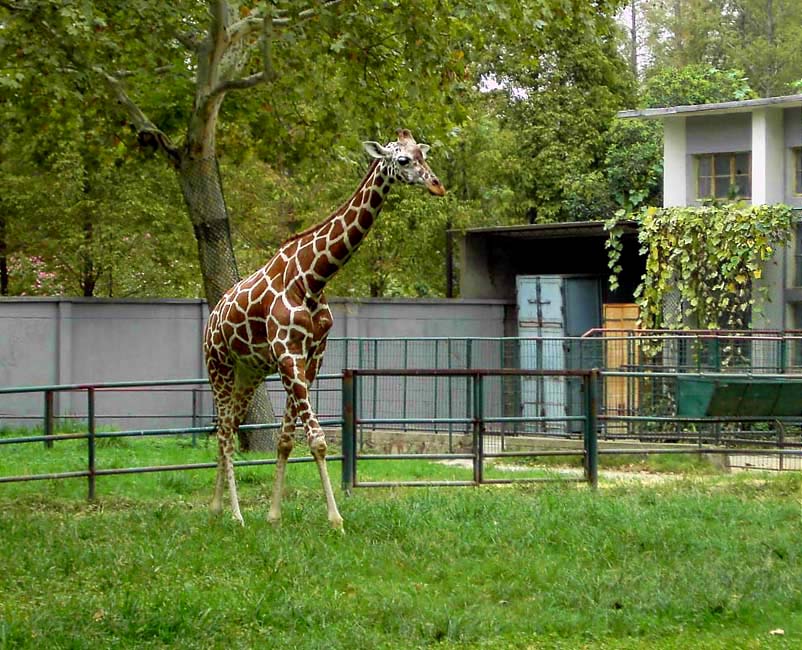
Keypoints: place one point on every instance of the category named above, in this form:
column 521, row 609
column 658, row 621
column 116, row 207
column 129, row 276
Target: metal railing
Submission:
column 93, row 435
column 696, row 435
column 539, row 393
column 447, row 396
column 476, row 421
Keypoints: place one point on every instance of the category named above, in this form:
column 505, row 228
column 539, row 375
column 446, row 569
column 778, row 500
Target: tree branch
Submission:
column 189, row 40
column 239, row 84
column 148, row 134
column 254, row 22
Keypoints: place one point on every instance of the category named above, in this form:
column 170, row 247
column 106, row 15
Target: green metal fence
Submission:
column 637, row 397
column 90, row 393
column 477, row 422
column 642, row 360
column 767, row 430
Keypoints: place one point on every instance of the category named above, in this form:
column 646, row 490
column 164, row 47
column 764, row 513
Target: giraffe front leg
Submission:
column 225, row 472
column 285, row 445
column 293, row 376
column 317, row 444
column 216, row 506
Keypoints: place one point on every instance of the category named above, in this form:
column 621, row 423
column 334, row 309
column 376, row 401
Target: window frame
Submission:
column 732, row 177
column 796, row 152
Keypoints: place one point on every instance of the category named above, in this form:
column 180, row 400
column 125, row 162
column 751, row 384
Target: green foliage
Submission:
column 85, row 212
column 694, row 84
column 565, row 81
column 289, row 149
column 710, row 259
column 760, row 38
column 764, row 39
column 633, row 163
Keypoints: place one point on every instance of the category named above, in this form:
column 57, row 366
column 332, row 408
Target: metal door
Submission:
column 540, row 325
column 551, row 309
column 583, row 311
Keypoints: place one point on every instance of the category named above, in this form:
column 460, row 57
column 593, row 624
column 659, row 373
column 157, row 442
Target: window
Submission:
column 724, row 176
column 798, row 170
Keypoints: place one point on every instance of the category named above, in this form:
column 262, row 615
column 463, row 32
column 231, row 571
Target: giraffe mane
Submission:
column 310, row 229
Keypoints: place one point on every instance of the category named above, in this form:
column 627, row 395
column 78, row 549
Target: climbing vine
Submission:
column 702, row 260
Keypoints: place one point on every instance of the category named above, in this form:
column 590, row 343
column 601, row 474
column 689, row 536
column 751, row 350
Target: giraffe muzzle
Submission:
column 435, row 187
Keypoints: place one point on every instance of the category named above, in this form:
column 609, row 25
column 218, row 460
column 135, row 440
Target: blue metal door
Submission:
column 551, row 310
column 540, row 324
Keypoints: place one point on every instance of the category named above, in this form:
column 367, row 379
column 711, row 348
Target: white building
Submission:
column 748, row 149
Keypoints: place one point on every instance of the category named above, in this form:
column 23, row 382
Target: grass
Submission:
column 703, row 562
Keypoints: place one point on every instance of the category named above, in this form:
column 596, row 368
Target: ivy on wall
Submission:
column 702, row 261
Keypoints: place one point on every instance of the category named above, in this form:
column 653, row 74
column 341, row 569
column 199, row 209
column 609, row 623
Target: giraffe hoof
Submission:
column 273, row 519
column 337, row 524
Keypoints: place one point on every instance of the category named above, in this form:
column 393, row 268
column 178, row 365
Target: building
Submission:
column 751, row 149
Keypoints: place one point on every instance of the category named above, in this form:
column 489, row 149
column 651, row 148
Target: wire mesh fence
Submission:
column 637, row 396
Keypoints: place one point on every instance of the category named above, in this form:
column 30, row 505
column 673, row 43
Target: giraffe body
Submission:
column 277, row 320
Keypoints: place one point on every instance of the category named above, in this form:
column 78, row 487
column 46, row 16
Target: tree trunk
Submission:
column 633, row 38
column 88, row 264
column 203, row 192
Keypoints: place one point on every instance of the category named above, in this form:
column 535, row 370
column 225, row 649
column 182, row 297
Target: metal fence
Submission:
column 478, row 422
column 749, row 438
column 637, row 394
column 92, row 434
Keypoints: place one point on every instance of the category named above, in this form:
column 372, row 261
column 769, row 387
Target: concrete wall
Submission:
column 78, row 340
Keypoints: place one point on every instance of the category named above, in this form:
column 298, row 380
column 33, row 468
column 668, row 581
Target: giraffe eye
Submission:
column 403, row 160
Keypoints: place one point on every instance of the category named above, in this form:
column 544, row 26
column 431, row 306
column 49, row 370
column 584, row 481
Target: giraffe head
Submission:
column 405, row 161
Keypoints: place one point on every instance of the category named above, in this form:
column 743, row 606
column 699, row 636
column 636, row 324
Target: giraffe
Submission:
column 277, row 320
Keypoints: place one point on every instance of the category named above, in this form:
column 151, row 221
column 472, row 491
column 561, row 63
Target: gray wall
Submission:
column 84, row 340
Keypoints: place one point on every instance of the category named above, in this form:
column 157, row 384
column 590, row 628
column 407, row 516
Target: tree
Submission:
column 83, row 213
column 694, row 84
column 393, row 56
column 685, row 32
column 765, row 43
column 564, row 80
column 759, row 37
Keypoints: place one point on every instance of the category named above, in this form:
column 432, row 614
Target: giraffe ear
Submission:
column 375, row 150
column 424, row 149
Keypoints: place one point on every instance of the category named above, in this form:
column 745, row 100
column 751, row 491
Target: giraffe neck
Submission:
column 336, row 239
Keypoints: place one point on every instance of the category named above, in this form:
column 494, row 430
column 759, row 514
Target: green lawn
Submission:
column 702, row 562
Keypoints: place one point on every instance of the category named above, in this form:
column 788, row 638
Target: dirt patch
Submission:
column 568, row 472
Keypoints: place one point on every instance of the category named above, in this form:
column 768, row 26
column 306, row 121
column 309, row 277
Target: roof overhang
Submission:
column 720, row 108
column 570, row 229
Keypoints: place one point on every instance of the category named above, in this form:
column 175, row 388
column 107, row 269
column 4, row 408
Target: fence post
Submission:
column 478, row 429
column 591, row 441
column 450, row 398
column 348, row 431
column 468, row 385
column 48, row 422
column 195, row 415
column 90, row 416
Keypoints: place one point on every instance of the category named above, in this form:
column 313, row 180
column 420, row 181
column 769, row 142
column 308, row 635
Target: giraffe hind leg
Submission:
column 216, row 506
column 227, row 451
column 231, row 412
column 284, row 448
column 225, row 472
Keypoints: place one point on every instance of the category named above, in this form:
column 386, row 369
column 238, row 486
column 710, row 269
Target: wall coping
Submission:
column 333, row 300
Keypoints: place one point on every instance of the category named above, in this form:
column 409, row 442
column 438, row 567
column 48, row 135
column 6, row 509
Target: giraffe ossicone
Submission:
column 277, row 320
